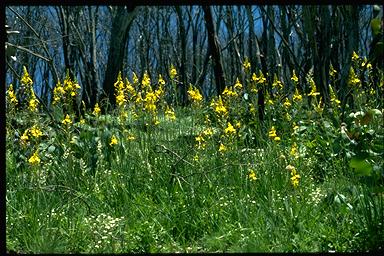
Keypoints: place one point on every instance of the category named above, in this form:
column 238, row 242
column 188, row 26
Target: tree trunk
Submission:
column 119, row 35
column 213, row 48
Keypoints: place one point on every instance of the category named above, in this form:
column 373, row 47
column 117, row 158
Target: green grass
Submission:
column 151, row 196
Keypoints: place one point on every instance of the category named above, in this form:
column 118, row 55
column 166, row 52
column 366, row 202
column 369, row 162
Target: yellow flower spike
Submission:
column 11, row 95
column 34, row 159
column 222, row 148
column 172, row 72
column 272, row 132
column 26, row 79
column 332, row 71
column 287, row 103
column 294, row 78
column 170, row 114
column 229, row 93
column 146, row 83
column 67, row 120
column 246, row 64
column 113, row 141
column 252, row 175
column 135, row 79
column 230, row 129
column 24, row 138
column 32, row 104
column 313, row 92
column 96, row 110
column 355, row 57
column 161, row 80
column 294, row 151
column 35, row 132
column 194, row 94
column 297, row 96
column 238, row 85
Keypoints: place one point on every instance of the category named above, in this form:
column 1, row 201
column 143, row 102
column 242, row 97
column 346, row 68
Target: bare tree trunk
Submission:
column 119, row 35
column 213, row 46
column 182, row 87
column 254, row 53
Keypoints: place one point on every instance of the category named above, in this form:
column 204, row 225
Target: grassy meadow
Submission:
column 152, row 176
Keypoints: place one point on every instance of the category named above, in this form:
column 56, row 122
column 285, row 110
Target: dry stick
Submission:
column 174, row 153
column 28, row 51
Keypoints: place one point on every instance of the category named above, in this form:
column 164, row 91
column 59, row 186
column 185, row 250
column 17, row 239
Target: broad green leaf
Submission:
column 361, row 166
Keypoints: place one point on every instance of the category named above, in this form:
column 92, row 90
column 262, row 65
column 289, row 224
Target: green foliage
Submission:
column 210, row 178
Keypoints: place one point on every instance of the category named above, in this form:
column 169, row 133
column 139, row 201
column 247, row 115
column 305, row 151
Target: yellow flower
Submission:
column 222, row 148
column 334, row 97
column 26, row 79
column 146, row 81
column 201, row 141
column 252, row 175
column 272, row 132
column 332, row 71
column 228, row 92
column 294, row 78
column 277, row 83
column 67, row 120
column 313, row 92
column 32, row 105
column 96, row 110
column 246, row 64
column 120, row 98
column 294, row 152
column 172, row 72
column 11, row 95
column 295, row 180
column 238, row 124
column 25, row 137
column 113, row 140
column 131, row 137
column 353, row 79
column 135, row 79
column 34, row 159
column 35, row 132
column 219, row 107
column 238, row 85
column 150, row 101
column 161, row 80
column 297, row 96
column 194, row 94
column 170, row 114
column 355, row 56
column 208, row 132
column 230, row 129
column 287, row 103
column 295, row 177
column 259, row 79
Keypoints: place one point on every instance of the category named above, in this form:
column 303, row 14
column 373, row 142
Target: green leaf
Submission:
column 51, row 149
column 375, row 26
column 361, row 166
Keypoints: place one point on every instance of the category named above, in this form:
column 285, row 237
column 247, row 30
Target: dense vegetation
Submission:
column 151, row 176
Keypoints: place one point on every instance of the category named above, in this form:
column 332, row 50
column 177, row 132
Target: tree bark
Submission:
column 119, row 35
column 213, row 48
